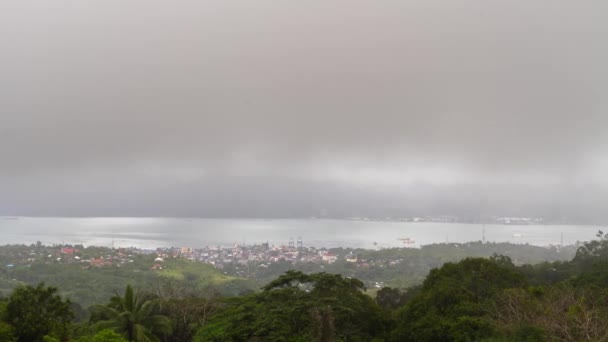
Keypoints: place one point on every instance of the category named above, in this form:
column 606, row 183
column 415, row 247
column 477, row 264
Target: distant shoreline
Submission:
column 367, row 234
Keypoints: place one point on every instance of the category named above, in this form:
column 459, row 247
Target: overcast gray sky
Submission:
column 283, row 108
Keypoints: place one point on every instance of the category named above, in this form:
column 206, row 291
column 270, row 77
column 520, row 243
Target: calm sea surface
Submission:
column 166, row 232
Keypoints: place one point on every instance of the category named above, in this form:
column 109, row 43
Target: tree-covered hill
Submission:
column 86, row 285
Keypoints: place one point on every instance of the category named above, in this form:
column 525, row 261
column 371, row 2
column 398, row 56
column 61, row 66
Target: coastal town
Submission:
column 217, row 256
column 254, row 261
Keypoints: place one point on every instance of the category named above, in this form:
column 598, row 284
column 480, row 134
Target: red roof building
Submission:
column 68, row 250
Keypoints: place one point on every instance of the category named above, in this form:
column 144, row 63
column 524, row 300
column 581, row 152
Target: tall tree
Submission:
column 299, row 307
column 38, row 311
column 453, row 301
column 134, row 315
column 187, row 306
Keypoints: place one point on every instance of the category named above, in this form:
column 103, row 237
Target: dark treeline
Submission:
column 475, row 299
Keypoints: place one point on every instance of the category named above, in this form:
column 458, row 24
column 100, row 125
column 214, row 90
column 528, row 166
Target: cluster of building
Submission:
column 264, row 253
column 100, row 257
column 217, row 256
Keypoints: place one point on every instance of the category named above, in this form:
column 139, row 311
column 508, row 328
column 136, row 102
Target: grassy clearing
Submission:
column 185, row 270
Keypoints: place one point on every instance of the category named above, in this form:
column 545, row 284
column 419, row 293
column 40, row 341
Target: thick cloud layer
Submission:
column 266, row 108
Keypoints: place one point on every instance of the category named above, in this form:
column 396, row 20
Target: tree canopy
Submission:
column 298, row 306
column 133, row 315
column 34, row 312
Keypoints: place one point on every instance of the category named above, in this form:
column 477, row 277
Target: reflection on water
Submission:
column 159, row 232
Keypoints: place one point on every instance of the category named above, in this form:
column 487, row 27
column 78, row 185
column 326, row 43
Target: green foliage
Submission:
column 318, row 307
column 390, row 298
column 134, row 315
column 108, row 335
column 452, row 302
column 7, row 332
column 37, row 311
column 596, row 250
column 529, row 333
column 191, row 272
column 86, row 285
column 187, row 306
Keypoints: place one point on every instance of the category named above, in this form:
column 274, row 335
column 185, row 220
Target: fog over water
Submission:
column 289, row 109
column 198, row 233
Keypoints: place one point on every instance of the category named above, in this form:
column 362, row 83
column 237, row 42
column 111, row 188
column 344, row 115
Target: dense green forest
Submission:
column 474, row 299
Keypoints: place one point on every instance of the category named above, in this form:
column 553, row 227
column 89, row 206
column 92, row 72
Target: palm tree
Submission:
column 134, row 316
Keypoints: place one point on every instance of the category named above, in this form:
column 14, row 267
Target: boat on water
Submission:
column 407, row 241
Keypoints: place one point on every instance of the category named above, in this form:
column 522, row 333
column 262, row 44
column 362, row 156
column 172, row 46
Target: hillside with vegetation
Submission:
column 87, row 283
column 473, row 299
column 90, row 275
